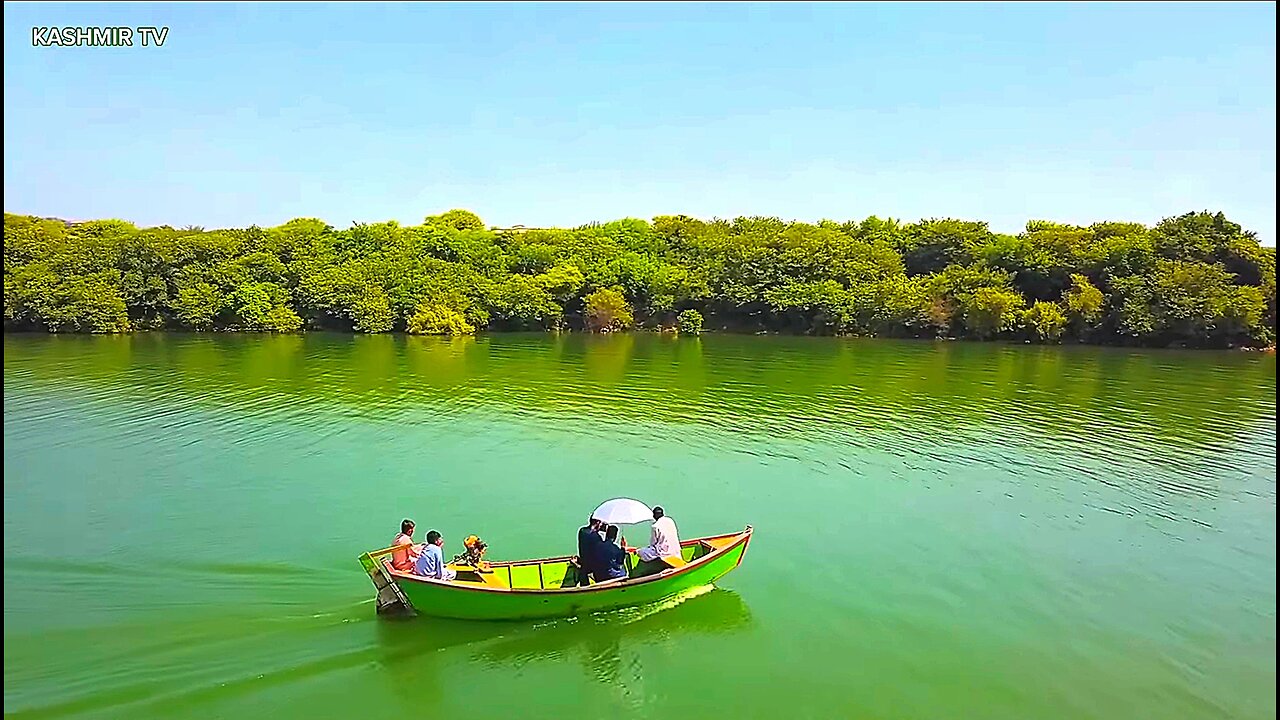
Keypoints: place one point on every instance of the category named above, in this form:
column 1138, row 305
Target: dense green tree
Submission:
column 1131, row 307
column 457, row 220
column 931, row 245
column 562, row 282
column 1042, row 259
column 523, row 302
column 1083, row 301
column 989, row 311
column 810, row 306
column 1243, row 313
column 371, row 311
column 263, row 306
column 198, row 303
column 1045, row 321
column 897, row 305
column 438, row 319
column 1197, row 236
column 70, row 303
column 690, row 322
column 607, row 309
column 1194, row 279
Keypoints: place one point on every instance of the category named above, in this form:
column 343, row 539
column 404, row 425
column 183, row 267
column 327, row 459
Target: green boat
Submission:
column 548, row 587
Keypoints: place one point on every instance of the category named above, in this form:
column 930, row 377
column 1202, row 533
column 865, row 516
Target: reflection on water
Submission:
column 867, row 391
column 1169, row 415
column 603, row 645
column 601, row 642
column 943, row 529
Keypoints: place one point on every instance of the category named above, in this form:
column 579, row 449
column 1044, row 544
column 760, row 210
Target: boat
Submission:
column 548, row 587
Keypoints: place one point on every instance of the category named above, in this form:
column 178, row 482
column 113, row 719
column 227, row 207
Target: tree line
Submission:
column 1197, row 279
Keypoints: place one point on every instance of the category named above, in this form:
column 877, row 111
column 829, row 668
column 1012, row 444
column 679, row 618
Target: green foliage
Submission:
column 820, row 304
column 1040, row 261
column 900, row 304
column 281, row 319
column 457, row 220
column 1131, row 306
column 263, row 306
column 607, row 309
column 562, row 282
column 989, row 311
column 1243, row 312
column 1045, row 321
column 437, row 319
column 198, row 304
column 690, row 322
column 524, row 302
column 76, row 303
column 1197, row 236
column 1195, row 279
column 371, row 311
column 674, row 284
column 1083, row 300
column 1189, row 296
column 931, row 245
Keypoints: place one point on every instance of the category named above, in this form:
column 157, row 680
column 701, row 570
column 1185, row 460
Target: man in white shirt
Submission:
column 663, row 540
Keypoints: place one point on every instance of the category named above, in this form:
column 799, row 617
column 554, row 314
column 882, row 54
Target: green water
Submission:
column 943, row 530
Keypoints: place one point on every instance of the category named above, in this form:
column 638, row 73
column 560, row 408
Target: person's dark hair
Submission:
column 657, row 512
column 406, row 527
column 432, row 537
column 611, row 534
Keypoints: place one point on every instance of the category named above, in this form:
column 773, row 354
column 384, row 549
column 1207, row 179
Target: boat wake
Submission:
column 644, row 611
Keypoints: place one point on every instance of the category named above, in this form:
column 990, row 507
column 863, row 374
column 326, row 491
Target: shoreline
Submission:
column 1265, row 350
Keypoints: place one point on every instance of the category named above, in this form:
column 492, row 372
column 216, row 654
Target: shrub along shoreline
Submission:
column 1195, row 280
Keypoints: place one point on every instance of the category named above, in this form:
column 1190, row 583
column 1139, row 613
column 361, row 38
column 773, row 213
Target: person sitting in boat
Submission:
column 589, row 542
column 663, row 540
column 407, row 552
column 431, row 562
column 611, row 561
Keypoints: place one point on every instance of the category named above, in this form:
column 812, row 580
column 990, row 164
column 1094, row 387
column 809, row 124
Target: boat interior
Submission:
column 562, row 572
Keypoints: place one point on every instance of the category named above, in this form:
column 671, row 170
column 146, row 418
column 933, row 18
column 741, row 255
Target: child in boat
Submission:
column 473, row 550
column 407, row 552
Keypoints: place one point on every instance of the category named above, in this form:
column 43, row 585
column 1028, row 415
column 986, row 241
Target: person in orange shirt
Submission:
column 406, row 553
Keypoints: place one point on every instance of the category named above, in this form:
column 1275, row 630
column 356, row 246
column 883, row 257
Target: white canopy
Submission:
column 623, row 511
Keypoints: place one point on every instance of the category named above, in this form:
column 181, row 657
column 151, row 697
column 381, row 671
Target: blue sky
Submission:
column 567, row 113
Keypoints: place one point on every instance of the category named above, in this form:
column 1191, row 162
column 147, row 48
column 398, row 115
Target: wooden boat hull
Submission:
column 547, row 588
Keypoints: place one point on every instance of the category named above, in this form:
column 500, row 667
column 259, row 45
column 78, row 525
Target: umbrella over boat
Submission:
column 623, row 511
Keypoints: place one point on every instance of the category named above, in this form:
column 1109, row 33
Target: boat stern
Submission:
column 388, row 596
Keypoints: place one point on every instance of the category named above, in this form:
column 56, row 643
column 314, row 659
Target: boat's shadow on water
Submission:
column 605, row 644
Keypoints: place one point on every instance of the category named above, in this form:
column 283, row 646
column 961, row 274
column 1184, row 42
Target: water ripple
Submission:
column 1017, row 530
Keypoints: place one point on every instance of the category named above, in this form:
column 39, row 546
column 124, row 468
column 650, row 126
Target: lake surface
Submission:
column 943, row 530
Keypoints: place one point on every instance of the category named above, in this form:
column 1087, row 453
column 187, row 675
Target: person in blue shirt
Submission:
column 589, row 542
column 611, row 560
column 431, row 562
